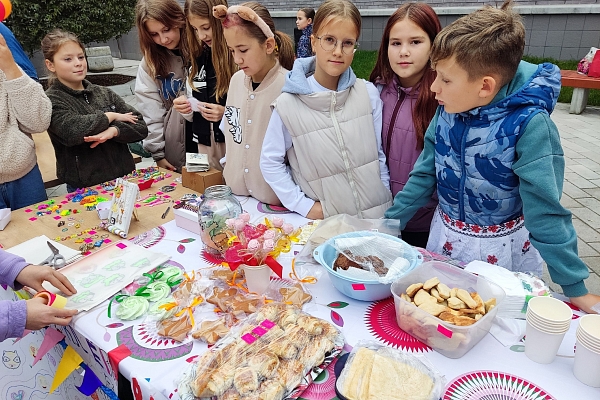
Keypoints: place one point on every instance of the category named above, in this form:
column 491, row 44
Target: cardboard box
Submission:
column 199, row 181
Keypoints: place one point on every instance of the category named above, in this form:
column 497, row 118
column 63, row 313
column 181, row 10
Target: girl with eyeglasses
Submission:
column 327, row 125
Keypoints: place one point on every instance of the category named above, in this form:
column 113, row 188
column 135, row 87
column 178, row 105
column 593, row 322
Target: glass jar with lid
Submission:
column 219, row 204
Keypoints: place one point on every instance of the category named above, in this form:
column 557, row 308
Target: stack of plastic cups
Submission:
column 548, row 319
column 587, row 353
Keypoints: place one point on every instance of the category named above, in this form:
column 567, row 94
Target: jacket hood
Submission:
column 296, row 81
column 532, row 85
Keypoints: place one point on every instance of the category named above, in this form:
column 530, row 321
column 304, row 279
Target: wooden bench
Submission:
column 581, row 85
column 46, row 159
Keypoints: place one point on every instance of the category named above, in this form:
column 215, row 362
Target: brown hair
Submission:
column 424, row 17
column 309, row 13
column 51, row 44
column 168, row 13
column 221, row 56
column 284, row 45
column 487, row 41
column 336, row 9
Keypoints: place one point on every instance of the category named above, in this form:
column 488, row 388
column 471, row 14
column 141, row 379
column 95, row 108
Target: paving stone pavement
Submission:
column 580, row 138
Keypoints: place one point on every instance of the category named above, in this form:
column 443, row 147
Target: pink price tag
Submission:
column 248, row 338
column 268, row 324
column 121, row 245
column 64, row 202
column 259, row 331
column 28, row 210
column 107, row 240
column 358, row 286
column 33, row 219
column 159, row 193
column 444, row 331
column 57, row 217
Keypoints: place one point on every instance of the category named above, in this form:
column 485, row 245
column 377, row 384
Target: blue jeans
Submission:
column 24, row 191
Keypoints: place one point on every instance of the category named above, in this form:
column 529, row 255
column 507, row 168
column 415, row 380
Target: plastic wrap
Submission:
column 372, row 258
column 267, row 356
column 344, row 223
column 378, row 372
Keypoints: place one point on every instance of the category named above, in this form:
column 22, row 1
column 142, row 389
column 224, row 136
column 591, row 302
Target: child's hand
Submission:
column 34, row 275
column 127, row 117
column 316, row 211
column 212, row 112
column 7, row 62
column 182, row 105
column 586, row 302
column 40, row 315
column 165, row 164
column 102, row 136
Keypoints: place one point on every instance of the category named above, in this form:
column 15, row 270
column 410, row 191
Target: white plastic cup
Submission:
column 541, row 347
column 586, row 367
column 257, row 277
column 550, row 309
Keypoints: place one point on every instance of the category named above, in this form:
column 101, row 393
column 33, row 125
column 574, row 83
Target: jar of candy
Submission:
column 218, row 205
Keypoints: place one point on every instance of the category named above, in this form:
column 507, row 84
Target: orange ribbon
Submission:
column 190, row 309
column 293, row 275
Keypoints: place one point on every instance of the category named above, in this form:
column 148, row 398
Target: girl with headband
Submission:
column 211, row 70
column 264, row 56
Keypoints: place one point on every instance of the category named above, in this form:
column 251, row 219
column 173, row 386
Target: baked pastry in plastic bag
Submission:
column 375, row 372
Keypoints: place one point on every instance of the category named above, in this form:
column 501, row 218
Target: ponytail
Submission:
column 285, row 50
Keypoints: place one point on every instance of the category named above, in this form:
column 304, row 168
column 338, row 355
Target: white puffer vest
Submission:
column 334, row 157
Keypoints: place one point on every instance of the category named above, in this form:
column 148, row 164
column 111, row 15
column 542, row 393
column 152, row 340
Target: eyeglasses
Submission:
column 329, row 43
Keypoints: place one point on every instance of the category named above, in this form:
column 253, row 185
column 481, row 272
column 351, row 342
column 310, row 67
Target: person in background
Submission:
column 403, row 75
column 91, row 125
column 211, row 70
column 304, row 22
column 327, row 125
column 161, row 79
column 24, row 110
column 495, row 157
column 33, row 314
column 264, row 56
column 18, row 53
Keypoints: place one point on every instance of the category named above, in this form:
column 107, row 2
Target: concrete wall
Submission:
column 561, row 29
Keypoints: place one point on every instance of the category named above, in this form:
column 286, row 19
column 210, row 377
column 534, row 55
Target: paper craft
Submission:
column 100, row 275
column 122, row 206
column 36, row 250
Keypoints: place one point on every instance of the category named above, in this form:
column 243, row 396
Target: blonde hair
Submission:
column 284, row 50
column 221, row 56
column 487, row 41
column 51, row 44
column 170, row 14
column 336, row 9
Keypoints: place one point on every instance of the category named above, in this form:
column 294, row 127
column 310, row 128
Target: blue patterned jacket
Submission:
column 475, row 150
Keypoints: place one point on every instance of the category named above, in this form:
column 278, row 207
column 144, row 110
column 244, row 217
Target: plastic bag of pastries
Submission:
column 260, row 359
column 374, row 372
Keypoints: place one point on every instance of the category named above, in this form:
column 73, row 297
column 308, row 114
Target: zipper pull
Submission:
column 398, row 88
column 334, row 98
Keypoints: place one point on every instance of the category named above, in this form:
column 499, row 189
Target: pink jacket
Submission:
column 400, row 146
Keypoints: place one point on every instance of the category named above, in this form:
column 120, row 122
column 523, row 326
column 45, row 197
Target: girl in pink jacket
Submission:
column 404, row 76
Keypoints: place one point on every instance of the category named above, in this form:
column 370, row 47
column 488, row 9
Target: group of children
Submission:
column 453, row 129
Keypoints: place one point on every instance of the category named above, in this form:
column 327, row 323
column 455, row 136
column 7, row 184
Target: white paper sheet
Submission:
column 101, row 275
column 36, row 250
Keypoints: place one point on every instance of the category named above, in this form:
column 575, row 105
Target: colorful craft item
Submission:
column 52, row 300
column 69, row 361
column 145, row 184
column 5, row 9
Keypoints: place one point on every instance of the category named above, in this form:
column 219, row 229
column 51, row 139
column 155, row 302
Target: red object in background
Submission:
column 5, row 9
column 145, row 184
column 594, row 71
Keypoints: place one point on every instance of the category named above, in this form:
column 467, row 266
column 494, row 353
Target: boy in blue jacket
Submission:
column 494, row 156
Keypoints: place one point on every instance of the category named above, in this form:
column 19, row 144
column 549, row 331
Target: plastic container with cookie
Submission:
column 373, row 371
column 445, row 307
column 273, row 354
column 363, row 264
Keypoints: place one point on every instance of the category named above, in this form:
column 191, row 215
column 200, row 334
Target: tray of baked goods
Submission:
column 274, row 354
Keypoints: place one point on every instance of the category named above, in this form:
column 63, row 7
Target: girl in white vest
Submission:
column 264, row 56
column 327, row 125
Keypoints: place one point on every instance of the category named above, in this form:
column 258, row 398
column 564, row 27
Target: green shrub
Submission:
column 364, row 61
column 91, row 20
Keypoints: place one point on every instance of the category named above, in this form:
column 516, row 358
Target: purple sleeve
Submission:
column 13, row 315
column 10, row 267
